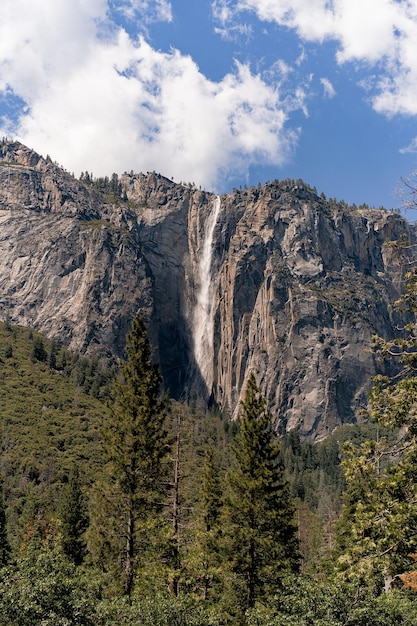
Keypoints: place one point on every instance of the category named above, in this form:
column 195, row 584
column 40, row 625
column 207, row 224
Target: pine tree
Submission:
column 52, row 354
column 39, row 352
column 378, row 527
column 259, row 521
column 211, row 508
column 135, row 445
column 73, row 513
column 4, row 543
column 203, row 559
column 174, row 556
column 211, row 491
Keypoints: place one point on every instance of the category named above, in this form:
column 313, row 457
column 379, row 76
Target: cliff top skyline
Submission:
column 221, row 93
column 277, row 281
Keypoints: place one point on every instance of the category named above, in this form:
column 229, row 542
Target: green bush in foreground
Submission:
column 306, row 602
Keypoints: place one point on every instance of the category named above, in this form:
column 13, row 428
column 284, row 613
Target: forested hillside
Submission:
column 121, row 506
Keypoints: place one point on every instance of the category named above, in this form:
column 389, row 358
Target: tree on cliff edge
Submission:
column 261, row 533
column 135, row 446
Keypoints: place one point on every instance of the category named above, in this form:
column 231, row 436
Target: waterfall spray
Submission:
column 203, row 321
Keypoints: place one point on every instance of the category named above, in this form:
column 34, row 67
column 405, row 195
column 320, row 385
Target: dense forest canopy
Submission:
column 122, row 506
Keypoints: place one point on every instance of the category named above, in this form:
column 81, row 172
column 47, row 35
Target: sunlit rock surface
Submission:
column 291, row 287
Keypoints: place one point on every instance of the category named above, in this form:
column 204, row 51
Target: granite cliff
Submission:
column 274, row 280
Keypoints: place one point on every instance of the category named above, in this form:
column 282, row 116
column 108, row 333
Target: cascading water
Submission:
column 203, row 321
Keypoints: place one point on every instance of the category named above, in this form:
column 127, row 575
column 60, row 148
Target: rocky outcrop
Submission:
column 280, row 282
column 303, row 286
column 66, row 268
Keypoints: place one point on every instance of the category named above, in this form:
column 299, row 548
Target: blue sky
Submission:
column 221, row 93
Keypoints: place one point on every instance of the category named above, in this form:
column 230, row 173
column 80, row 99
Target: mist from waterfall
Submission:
column 203, row 320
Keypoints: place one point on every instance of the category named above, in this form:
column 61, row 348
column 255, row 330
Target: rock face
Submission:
column 275, row 280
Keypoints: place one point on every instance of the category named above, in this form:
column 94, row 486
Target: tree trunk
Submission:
column 388, row 580
column 129, row 555
column 175, row 586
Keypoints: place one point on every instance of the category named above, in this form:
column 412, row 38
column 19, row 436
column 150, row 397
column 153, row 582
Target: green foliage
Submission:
column 313, row 468
column 304, row 601
column 161, row 609
column 44, row 595
column 203, row 558
column 4, row 542
column 259, row 521
column 378, row 528
column 317, row 483
column 39, row 353
column 192, row 559
column 135, row 447
column 211, row 491
column 43, row 587
column 192, row 516
column 47, row 423
column 112, row 187
column 73, row 514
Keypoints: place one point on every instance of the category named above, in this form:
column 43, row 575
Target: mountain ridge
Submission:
column 295, row 288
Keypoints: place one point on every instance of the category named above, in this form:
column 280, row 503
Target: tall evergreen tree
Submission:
column 204, row 550
column 211, row 508
column 39, row 351
column 4, row 543
column 73, row 513
column 174, row 551
column 211, row 491
column 259, row 522
column 135, row 444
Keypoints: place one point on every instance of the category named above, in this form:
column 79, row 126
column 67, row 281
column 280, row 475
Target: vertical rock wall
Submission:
column 298, row 284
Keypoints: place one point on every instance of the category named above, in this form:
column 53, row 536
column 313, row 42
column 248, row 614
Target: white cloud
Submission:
column 329, row 90
column 229, row 28
column 39, row 40
column 146, row 10
column 411, row 148
column 237, row 31
column 222, row 11
column 99, row 100
column 379, row 34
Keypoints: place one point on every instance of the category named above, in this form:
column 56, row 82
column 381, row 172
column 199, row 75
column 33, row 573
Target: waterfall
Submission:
column 203, row 321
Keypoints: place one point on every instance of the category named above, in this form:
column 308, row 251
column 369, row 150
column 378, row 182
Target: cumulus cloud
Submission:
column 99, row 100
column 378, row 34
